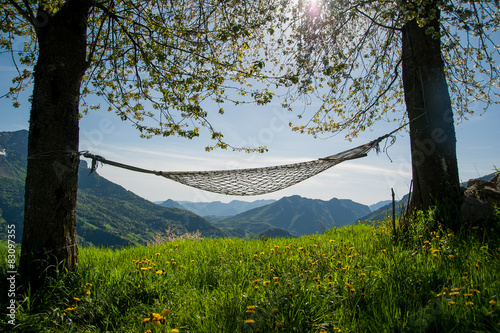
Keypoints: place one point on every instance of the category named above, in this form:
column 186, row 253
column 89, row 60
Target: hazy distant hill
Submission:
column 218, row 208
column 379, row 204
column 297, row 215
column 107, row 214
column 170, row 204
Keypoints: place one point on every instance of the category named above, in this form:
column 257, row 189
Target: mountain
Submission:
column 107, row 214
column 379, row 204
column 297, row 215
column 170, row 204
column 217, row 208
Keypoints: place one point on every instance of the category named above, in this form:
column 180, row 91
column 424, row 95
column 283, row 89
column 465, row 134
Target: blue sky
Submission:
column 367, row 180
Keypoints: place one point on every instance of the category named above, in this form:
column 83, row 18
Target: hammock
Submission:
column 254, row 181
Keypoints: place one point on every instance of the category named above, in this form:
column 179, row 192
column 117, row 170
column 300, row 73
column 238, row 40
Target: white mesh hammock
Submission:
column 254, row 181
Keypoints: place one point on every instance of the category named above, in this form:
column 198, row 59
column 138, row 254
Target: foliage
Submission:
column 348, row 54
column 354, row 278
column 172, row 235
column 155, row 62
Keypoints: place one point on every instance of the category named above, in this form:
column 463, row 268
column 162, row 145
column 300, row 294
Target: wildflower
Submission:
column 451, row 256
column 454, row 293
column 484, row 247
column 332, row 240
column 275, row 278
column 316, row 278
column 147, row 331
column 251, row 307
column 350, row 286
column 475, row 291
column 146, row 320
column 266, row 283
column 451, row 303
column 249, row 321
column 87, row 292
column 165, row 312
column 468, row 295
column 76, row 299
column 436, row 251
column 469, row 303
column 159, row 272
column 493, row 302
column 275, row 310
column 174, row 330
column 277, row 324
column 157, row 254
column 144, row 268
column 71, row 309
column 88, row 284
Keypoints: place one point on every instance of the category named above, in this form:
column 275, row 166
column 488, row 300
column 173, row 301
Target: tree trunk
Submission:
column 432, row 130
column 49, row 237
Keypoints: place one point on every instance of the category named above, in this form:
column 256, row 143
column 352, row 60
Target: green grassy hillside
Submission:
column 350, row 279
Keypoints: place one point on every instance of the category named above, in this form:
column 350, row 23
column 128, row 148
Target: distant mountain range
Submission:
column 215, row 208
column 293, row 215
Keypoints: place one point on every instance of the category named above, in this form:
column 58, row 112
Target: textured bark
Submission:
column 432, row 130
column 49, row 237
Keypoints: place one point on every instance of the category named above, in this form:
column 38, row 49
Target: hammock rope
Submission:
column 253, row 181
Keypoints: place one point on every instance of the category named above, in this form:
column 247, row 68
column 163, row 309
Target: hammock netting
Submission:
column 254, row 181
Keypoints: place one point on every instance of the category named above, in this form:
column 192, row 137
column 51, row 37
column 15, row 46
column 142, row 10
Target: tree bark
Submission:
column 49, row 236
column 432, row 130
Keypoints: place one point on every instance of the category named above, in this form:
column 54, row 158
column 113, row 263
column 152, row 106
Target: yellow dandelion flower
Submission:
column 436, row 251
column 249, row 321
column 451, row 303
column 165, row 312
column 275, row 278
column 278, row 324
column 159, row 272
column 157, row 254
column 87, row 292
column 146, row 320
column 484, row 247
column 475, row 291
column 316, row 278
column 147, row 331
column 493, row 302
column 275, row 310
column 454, row 293
column 76, row 299
column 451, row 256
column 144, row 268
column 468, row 295
column 469, row 303
column 174, row 330
column 88, row 284
column 251, row 307
column 249, row 311
column 70, row 309
column 266, row 283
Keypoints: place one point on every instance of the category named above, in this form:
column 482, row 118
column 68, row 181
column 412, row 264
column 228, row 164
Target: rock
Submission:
column 480, row 198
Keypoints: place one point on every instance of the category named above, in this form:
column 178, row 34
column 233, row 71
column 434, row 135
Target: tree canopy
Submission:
column 155, row 62
column 348, row 55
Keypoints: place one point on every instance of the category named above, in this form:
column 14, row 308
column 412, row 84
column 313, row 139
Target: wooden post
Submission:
column 393, row 213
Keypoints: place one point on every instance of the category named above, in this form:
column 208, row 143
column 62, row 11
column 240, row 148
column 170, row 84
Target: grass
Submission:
column 352, row 279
